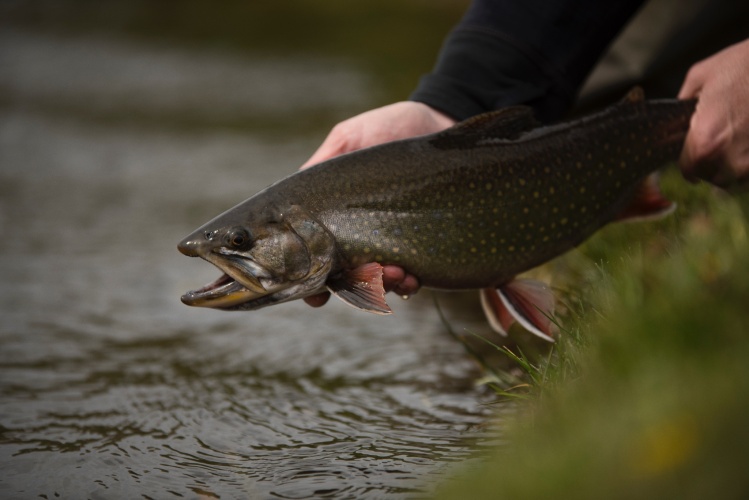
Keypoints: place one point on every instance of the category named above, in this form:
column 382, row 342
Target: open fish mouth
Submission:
column 222, row 293
column 241, row 281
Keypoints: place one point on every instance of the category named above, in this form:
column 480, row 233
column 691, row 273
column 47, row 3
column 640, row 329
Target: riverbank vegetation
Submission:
column 645, row 395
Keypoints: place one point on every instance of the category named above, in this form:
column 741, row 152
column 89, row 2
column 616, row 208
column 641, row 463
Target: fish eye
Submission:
column 238, row 237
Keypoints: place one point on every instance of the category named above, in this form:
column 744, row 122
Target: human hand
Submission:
column 717, row 145
column 388, row 123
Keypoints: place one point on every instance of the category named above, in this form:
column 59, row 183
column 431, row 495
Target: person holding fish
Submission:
column 487, row 181
column 539, row 54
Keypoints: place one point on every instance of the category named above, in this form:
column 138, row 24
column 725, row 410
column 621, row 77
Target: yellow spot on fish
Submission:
column 396, row 249
column 474, row 249
column 521, row 181
column 536, row 194
column 511, row 248
column 563, row 221
column 488, row 186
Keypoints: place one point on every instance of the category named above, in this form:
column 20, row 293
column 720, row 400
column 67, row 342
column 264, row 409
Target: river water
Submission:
column 109, row 386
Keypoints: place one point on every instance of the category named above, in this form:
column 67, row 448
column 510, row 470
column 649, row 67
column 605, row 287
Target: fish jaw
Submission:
column 241, row 281
column 222, row 293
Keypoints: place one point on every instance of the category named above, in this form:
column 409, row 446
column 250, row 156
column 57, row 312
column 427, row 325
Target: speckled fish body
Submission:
column 473, row 206
column 468, row 210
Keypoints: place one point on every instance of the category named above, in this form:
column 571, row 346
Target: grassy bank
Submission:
column 647, row 395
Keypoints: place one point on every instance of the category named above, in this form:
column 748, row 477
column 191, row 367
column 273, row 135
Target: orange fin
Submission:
column 648, row 202
column 529, row 302
column 362, row 288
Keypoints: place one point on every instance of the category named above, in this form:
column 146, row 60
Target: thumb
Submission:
column 325, row 151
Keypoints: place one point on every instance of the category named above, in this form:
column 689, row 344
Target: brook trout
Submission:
column 470, row 207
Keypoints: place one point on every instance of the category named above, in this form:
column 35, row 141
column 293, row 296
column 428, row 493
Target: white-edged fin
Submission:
column 496, row 313
column 648, row 202
column 361, row 288
column 529, row 302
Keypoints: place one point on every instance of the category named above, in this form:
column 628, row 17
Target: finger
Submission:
column 318, row 300
column 329, row 148
column 690, row 88
column 392, row 276
column 408, row 287
column 692, row 84
column 686, row 161
column 318, row 156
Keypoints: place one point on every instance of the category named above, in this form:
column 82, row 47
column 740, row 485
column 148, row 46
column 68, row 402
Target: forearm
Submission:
column 533, row 52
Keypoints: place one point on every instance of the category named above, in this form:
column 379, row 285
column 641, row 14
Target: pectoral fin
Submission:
column 362, row 288
column 648, row 202
column 529, row 302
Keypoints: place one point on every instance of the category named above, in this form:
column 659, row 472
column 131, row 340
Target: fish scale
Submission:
column 469, row 207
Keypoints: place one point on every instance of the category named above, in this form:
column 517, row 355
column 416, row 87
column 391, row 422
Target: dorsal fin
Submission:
column 635, row 95
column 505, row 124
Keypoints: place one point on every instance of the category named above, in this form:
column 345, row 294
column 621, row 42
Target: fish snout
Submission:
column 191, row 247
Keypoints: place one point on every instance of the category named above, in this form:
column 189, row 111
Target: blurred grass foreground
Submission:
column 649, row 397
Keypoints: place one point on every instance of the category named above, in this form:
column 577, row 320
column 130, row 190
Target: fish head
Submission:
column 268, row 255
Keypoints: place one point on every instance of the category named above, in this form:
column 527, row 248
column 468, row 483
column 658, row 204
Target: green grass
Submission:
column 646, row 394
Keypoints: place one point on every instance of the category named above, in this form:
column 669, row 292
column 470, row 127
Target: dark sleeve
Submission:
column 533, row 52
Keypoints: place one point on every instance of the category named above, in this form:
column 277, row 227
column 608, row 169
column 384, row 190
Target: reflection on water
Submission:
column 110, row 386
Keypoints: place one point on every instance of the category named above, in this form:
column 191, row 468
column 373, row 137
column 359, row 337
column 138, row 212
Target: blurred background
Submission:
column 123, row 127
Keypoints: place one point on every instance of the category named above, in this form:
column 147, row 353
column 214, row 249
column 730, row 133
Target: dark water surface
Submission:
column 109, row 386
